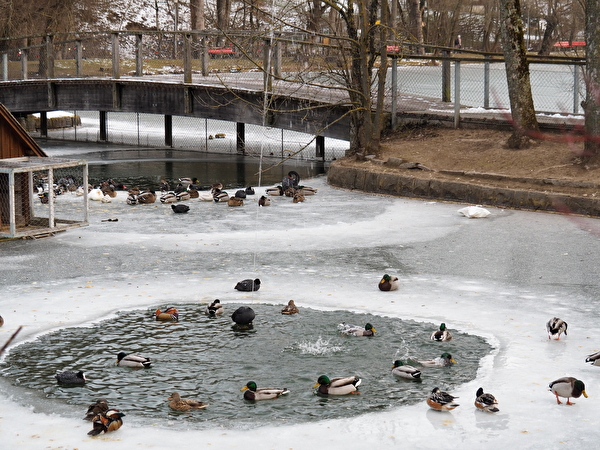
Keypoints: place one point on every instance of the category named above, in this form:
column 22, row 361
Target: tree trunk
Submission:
column 415, row 21
column 517, row 74
column 592, row 100
column 547, row 40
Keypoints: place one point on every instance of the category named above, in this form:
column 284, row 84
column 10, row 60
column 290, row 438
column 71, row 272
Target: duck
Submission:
column 290, row 308
column 556, row 327
column 185, row 182
column 567, row 387
column 106, row 422
column 131, row 199
column 486, row 402
column 307, row 190
column 134, row 191
column 298, row 198
column 184, row 404
column 252, row 392
column 250, row 190
column 274, row 191
column 71, row 377
column 248, row 285
column 241, row 193
column 444, row 360
column 147, row 197
column 163, row 186
column 593, row 359
column 106, row 199
column 289, row 192
column 400, row 369
column 96, row 195
column 183, row 196
column 1, row 321
column 180, row 209
column 220, row 196
column 206, row 197
column 169, row 197
column 235, row 201
column 388, row 283
column 355, row 330
column 193, row 192
column 264, row 201
column 131, row 360
column 243, row 316
column 442, row 334
column 337, row 385
column 216, row 187
column 441, row 401
column 170, row 313
column 108, row 189
column 100, row 406
column 214, row 309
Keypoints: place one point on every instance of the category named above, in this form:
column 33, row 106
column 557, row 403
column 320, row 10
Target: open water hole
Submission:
column 208, row 359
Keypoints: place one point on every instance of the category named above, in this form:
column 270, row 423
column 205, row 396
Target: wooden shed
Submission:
column 30, row 183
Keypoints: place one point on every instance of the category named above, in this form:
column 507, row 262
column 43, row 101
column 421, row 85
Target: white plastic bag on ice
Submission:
column 474, row 212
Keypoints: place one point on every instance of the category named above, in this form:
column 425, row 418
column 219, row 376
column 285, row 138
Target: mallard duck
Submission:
column 244, row 315
column 248, row 285
column 108, row 189
column 146, row 197
column 264, row 201
column 185, row 182
column 220, row 196
column 338, row 385
column 169, row 197
column 306, row 190
column 405, row 370
column 106, row 422
column 170, row 313
column 555, row 327
column 441, row 401
column 206, row 197
column 184, row 404
column 182, row 196
column 290, row 308
column 567, row 387
column 216, row 187
column 235, row 201
column 180, row 209
column 289, row 192
column 356, row 330
column 163, row 186
column 298, row 198
column 134, row 191
column 131, row 360
column 131, row 199
column 214, row 309
column 71, row 377
column 274, row 191
column 193, row 192
column 594, row 358
column 442, row 334
column 388, row 283
column 445, row 359
column 99, row 407
column 96, row 195
column 252, row 392
column 486, row 402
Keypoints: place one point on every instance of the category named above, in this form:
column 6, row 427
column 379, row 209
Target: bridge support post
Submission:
column 78, row 59
column 187, row 58
column 4, row 66
column 320, row 147
column 103, row 127
column 139, row 57
column 24, row 71
column 44, row 124
column 169, row 130
column 240, row 138
column 116, row 73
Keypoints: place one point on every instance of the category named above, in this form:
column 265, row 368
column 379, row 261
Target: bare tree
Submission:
column 592, row 101
column 517, row 74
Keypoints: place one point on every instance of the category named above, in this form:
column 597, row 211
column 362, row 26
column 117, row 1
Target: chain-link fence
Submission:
column 39, row 196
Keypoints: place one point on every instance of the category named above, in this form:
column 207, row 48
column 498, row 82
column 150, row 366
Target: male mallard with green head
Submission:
column 131, row 360
column 567, row 387
column 405, row 370
column 442, row 334
column 388, row 283
column 254, row 393
column 338, row 385
column 444, row 360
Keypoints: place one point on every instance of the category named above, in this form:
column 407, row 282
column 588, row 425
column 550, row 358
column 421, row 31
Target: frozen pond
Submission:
column 500, row 278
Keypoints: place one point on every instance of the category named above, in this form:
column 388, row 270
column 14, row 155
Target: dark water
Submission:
column 207, row 359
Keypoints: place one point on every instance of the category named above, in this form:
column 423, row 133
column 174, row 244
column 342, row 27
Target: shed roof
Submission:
column 29, row 163
column 15, row 141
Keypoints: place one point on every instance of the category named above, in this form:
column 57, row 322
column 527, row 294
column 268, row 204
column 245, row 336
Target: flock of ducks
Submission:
column 106, row 420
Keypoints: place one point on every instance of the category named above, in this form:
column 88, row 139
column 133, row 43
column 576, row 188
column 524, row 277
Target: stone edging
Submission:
column 398, row 184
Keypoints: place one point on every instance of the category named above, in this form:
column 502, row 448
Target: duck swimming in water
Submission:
column 254, row 393
column 355, row 330
column 444, row 360
column 442, row 334
column 337, row 385
column 170, row 313
column 405, row 370
column 184, row 404
column 131, row 360
column 243, row 316
column 214, row 309
column 290, row 308
column 71, row 377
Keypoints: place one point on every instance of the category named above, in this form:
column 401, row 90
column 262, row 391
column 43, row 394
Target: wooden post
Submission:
column 78, row 58
column 187, row 58
column 169, row 130
column 103, row 128
column 456, row 94
column 204, row 56
column 116, row 73
column 4, row 66
column 24, row 69
column 446, row 77
column 44, row 124
column 139, row 57
column 49, row 56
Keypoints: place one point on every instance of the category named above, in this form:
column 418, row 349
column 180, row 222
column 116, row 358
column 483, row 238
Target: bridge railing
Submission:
column 463, row 81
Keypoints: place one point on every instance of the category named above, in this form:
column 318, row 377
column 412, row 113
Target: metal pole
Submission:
column 86, row 212
column 51, row 197
column 456, row 94
column 11, row 204
column 575, row 89
column 486, row 82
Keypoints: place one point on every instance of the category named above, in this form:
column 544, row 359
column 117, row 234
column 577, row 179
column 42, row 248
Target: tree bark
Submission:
column 592, row 78
column 517, row 74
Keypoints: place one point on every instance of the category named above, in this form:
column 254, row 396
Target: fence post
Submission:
column 456, row 94
column 24, row 65
column 4, row 66
column 575, row 89
column 268, row 80
column 187, row 58
column 394, row 92
column 139, row 57
column 486, row 82
column 49, row 56
column 446, row 90
column 204, row 56
column 116, row 74
column 277, row 58
column 78, row 59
